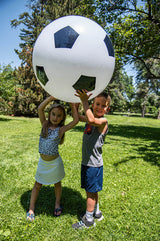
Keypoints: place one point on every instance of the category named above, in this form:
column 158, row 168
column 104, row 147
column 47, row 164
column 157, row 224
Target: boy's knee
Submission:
column 91, row 195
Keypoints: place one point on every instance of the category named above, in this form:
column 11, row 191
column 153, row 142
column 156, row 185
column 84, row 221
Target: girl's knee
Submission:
column 37, row 185
column 58, row 184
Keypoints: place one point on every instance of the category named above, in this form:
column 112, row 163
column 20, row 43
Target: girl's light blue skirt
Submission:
column 50, row 172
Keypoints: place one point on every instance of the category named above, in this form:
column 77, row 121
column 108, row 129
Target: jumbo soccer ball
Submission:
column 73, row 53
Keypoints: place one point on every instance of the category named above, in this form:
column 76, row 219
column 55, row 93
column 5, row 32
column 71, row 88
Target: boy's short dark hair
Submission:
column 106, row 96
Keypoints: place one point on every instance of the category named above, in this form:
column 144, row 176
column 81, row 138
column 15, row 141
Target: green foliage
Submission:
column 31, row 94
column 6, row 79
column 135, row 32
column 8, row 85
column 146, row 101
column 130, row 199
column 121, row 90
column 136, row 35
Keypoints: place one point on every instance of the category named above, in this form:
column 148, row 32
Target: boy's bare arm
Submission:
column 91, row 119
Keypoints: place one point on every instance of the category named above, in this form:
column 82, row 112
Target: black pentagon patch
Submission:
column 41, row 75
column 85, row 82
column 65, row 38
column 109, row 46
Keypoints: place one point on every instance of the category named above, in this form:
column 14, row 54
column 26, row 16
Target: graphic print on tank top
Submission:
column 88, row 129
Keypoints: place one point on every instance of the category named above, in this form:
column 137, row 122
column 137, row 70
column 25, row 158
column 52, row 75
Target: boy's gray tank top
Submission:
column 92, row 146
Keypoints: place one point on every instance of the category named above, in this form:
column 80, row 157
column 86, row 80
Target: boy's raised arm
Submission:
column 91, row 119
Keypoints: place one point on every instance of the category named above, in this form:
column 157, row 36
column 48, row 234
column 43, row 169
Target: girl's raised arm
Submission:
column 82, row 118
column 70, row 125
column 41, row 108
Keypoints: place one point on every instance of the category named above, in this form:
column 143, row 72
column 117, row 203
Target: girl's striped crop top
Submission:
column 49, row 145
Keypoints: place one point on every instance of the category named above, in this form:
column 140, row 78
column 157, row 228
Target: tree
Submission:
column 152, row 84
column 121, row 90
column 153, row 104
column 128, row 21
column 141, row 97
column 8, row 85
column 30, row 95
column 135, row 31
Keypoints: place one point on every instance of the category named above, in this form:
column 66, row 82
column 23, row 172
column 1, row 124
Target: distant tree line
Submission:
column 134, row 29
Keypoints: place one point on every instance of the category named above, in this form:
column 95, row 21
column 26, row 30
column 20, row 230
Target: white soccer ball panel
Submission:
column 86, row 54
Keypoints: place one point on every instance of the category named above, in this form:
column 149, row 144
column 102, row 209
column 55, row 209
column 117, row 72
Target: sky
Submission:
column 9, row 37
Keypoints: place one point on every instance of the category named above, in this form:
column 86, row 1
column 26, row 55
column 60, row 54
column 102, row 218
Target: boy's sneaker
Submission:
column 98, row 216
column 84, row 223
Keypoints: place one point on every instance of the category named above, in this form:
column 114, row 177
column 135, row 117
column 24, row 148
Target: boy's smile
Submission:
column 99, row 106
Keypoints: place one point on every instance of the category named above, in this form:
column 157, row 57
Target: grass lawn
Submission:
column 130, row 199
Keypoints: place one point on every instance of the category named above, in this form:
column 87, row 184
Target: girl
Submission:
column 50, row 167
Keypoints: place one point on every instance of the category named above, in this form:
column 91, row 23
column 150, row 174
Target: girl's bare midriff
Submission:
column 48, row 157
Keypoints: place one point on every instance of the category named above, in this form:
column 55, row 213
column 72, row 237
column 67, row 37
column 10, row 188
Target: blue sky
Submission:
column 9, row 40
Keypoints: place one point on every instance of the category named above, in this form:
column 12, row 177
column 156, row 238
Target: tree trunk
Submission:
column 159, row 114
column 143, row 110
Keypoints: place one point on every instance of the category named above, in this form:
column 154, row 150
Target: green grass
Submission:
column 130, row 199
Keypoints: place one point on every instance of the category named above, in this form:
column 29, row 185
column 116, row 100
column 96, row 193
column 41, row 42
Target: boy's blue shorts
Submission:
column 92, row 178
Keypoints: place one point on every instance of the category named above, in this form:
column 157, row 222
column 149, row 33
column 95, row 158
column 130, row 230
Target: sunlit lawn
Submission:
column 130, row 199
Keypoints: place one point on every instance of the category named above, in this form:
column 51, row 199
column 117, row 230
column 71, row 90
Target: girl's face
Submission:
column 99, row 106
column 56, row 116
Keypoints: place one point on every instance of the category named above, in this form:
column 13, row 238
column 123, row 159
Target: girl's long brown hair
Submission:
column 47, row 123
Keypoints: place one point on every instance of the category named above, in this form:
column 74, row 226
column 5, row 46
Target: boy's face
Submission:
column 99, row 106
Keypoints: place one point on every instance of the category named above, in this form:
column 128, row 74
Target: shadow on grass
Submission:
column 152, row 158
column 129, row 131
column 148, row 133
column 150, row 151
column 72, row 201
column 5, row 119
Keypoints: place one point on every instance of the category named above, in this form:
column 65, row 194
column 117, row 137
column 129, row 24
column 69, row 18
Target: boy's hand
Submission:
column 82, row 94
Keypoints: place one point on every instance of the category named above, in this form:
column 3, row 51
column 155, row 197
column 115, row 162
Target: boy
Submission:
column 92, row 163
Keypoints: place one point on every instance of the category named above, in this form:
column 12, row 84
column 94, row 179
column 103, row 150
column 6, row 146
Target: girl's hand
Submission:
column 77, row 105
column 71, row 104
column 52, row 98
